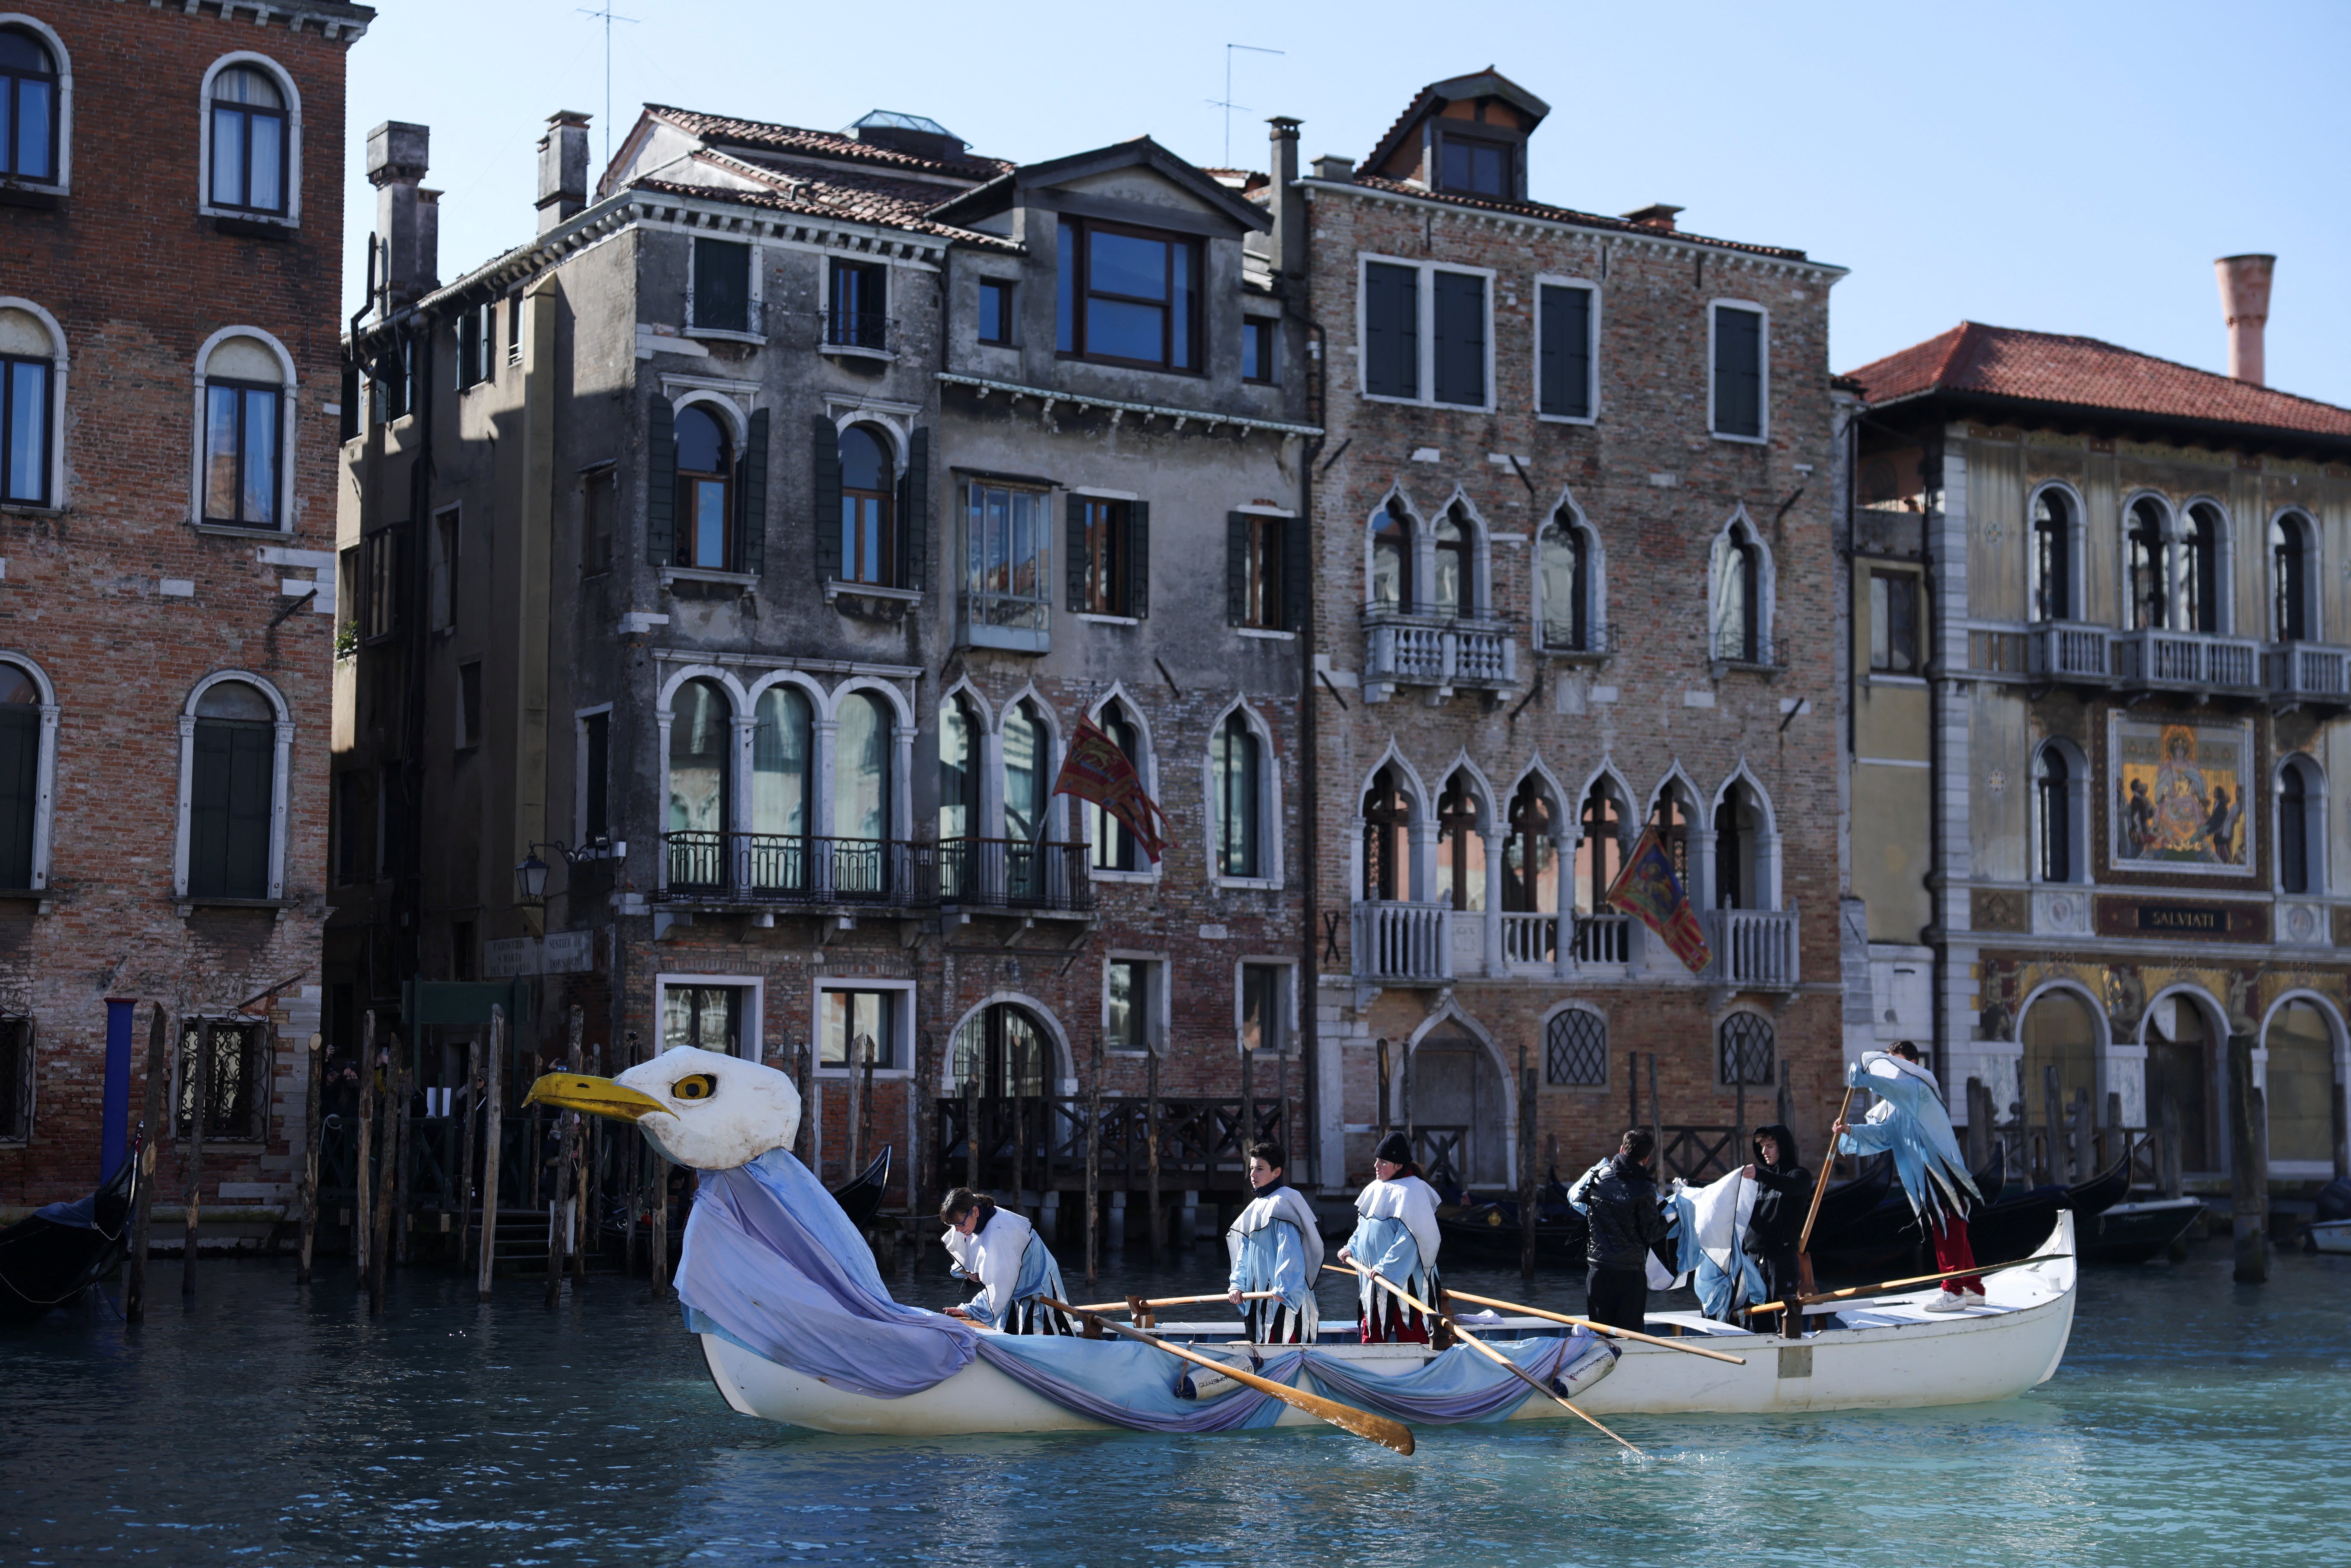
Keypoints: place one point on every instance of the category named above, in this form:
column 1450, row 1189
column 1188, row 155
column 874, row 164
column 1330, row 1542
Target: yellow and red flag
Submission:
column 1648, row 888
column 1095, row 769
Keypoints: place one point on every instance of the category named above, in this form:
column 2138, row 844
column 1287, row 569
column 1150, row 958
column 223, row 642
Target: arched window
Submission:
column 2058, row 1031
column 1563, row 567
column 1387, row 840
column 232, row 793
column 2179, row 1067
column 28, row 390
column 1530, row 853
column 1741, row 879
column 2301, row 1084
column 1455, row 592
column 1113, row 841
column 1237, row 764
column 244, row 438
column 2052, row 556
column 1600, row 852
column 861, row 768
column 2150, row 603
column 1735, row 612
column 251, row 147
column 2301, row 827
column 20, row 777
column 1746, row 1050
column 1001, row 1050
column 867, row 530
column 959, row 819
column 1025, row 779
column 30, row 108
column 705, row 490
column 1460, row 845
column 2290, row 574
column 783, row 752
column 701, row 731
column 2200, row 571
column 2052, row 800
column 1391, row 587
column 1673, row 816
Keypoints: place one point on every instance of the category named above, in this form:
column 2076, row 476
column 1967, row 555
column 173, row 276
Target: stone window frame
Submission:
column 1765, row 607
column 2314, row 827
column 1714, row 308
column 1592, row 348
column 2077, row 553
column 45, row 773
column 750, row 1042
column 1270, row 867
column 280, row 785
column 2313, row 560
column 1146, row 766
column 903, row 1011
column 61, row 373
column 1158, row 1025
column 288, row 426
column 1568, row 516
column 1424, row 329
column 2077, row 812
column 1292, row 1034
column 291, row 218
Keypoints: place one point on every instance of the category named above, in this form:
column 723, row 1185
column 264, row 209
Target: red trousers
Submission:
column 1953, row 1251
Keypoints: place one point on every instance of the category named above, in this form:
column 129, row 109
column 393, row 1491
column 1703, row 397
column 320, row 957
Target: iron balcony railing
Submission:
column 860, row 330
column 1014, row 875
column 790, row 868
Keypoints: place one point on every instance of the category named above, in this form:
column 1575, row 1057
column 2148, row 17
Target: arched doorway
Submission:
column 2179, row 1073
column 2060, row 1032
column 2301, row 1081
column 1005, row 1047
column 1460, row 1110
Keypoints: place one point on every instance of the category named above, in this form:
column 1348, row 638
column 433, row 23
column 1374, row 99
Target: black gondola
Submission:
column 2135, row 1232
column 2100, row 1192
column 861, row 1199
column 1889, row 1227
column 54, row 1253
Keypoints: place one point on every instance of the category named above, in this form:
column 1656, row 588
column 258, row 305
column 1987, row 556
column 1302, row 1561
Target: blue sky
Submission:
column 2068, row 167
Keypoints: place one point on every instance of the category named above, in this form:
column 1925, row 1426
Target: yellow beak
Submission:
column 595, row 1096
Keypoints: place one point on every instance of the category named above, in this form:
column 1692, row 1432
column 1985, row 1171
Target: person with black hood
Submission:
column 1775, row 1231
column 1396, row 1238
column 1618, row 1199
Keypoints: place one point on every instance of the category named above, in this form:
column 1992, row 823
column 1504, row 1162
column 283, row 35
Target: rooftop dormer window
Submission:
column 1473, row 166
column 1129, row 295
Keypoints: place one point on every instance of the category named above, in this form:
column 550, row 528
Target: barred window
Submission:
column 1747, row 1049
column 15, row 1078
column 236, row 1093
column 1576, row 1049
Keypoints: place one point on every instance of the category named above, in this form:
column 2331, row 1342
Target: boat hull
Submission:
column 2135, row 1232
column 1894, row 1357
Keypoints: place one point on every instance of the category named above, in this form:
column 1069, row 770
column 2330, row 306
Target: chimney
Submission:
column 2245, row 301
column 1289, row 201
column 1660, row 215
column 1337, row 171
column 562, row 168
column 396, row 160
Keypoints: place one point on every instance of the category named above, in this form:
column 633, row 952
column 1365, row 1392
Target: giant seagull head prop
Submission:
column 698, row 1108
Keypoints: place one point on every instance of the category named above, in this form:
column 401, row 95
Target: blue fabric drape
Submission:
column 1925, row 1156
column 1458, row 1384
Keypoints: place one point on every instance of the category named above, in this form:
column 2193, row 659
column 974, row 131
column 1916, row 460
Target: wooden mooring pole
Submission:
column 151, row 1113
column 192, row 1162
column 1151, row 1144
column 362, row 1196
column 1526, row 1167
column 493, row 1129
column 380, row 1240
column 1093, row 1161
column 314, row 1085
column 468, row 1125
column 565, row 1161
column 2249, row 1165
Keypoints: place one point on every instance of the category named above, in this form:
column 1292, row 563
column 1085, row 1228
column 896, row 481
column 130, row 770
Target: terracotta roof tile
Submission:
column 2082, row 372
column 1569, row 215
column 720, row 129
column 854, row 202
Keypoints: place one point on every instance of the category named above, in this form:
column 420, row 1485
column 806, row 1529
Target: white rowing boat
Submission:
column 2330, row 1235
column 1882, row 1352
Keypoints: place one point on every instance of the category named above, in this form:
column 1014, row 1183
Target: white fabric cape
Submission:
column 992, row 1256
column 1410, row 1199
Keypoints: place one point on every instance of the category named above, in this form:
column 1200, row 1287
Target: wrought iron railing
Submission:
column 1013, row 874
column 1203, row 1143
column 791, row 868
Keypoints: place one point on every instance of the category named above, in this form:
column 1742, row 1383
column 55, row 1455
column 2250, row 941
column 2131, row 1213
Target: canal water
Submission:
column 2193, row 1421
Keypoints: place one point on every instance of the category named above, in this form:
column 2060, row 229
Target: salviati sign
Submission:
column 559, row 953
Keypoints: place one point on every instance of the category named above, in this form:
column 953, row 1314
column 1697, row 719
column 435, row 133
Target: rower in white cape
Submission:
column 1276, row 1246
column 1909, row 1120
column 1395, row 1237
column 1015, row 1270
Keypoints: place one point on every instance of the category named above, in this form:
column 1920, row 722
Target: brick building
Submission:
column 170, row 250
column 1574, row 575
column 2101, row 675
column 746, row 548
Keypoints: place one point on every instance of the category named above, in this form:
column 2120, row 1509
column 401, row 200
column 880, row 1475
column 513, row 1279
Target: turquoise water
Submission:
column 2193, row 1421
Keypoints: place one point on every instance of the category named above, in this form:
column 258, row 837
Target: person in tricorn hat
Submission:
column 1775, row 1231
column 1395, row 1238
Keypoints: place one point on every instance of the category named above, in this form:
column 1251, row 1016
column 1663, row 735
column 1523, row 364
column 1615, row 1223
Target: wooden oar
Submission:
column 1820, row 1182
column 1609, row 1329
column 1852, row 1291
column 1433, row 1316
column 1178, row 1301
column 1362, row 1423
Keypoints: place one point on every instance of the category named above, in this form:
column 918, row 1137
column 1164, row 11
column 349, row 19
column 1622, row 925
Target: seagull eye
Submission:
column 694, row 1086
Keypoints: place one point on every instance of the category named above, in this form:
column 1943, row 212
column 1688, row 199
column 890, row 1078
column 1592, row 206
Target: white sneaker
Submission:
column 1947, row 1302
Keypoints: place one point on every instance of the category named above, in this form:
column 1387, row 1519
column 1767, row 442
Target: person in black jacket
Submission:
column 1620, row 1200
column 1775, row 1229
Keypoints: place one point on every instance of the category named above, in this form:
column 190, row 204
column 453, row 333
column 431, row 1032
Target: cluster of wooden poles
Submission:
column 381, row 1198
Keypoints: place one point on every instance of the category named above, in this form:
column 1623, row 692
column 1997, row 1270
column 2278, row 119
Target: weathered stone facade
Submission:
column 168, row 633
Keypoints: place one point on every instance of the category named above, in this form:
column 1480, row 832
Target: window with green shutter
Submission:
column 1391, row 330
column 1564, row 353
column 1738, row 370
column 1459, row 339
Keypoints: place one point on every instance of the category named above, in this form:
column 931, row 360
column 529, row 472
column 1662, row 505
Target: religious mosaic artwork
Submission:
column 2178, row 800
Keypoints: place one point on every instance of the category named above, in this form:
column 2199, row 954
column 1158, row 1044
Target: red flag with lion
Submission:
column 1095, row 769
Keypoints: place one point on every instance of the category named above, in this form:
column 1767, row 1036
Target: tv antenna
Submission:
column 1225, row 102
column 608, row 16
